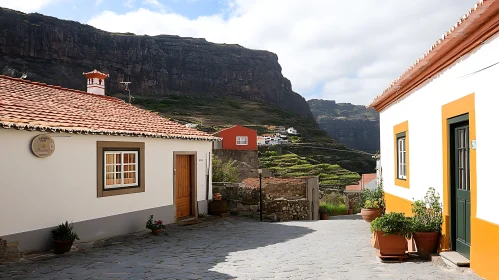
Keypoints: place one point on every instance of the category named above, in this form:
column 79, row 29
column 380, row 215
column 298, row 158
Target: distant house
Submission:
column 238, row 138
column 260, row 140
column 292, row 131
column 367, row 181
column 192, row 125
column 280, row 129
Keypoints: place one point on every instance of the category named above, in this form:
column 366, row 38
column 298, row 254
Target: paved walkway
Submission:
column 234, row 248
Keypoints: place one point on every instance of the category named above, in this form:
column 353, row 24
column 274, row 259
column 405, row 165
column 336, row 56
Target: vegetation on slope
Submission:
column 292, row 165
column 213, row 114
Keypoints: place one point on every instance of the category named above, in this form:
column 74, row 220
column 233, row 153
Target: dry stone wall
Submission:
column 283, row 199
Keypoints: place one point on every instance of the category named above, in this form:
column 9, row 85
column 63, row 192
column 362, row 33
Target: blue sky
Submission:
column 83, row 11
column 348, row 51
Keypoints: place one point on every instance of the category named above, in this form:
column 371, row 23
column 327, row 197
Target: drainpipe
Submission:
column 208, row 164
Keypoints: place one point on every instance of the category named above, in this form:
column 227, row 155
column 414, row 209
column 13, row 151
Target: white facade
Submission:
column 422, row 108
column 40, row 193
column 292, row 131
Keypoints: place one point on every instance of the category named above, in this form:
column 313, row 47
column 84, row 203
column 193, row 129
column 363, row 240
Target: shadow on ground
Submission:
column 182, row 252
column 346, row 217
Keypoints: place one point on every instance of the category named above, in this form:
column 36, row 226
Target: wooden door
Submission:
column 183, row 186
column 461, row 208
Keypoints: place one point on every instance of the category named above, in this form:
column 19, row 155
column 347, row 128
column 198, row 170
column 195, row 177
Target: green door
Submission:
column 461, row 189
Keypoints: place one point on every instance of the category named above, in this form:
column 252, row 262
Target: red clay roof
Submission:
column 366, row 178
column 37, row 106
column 476, row 26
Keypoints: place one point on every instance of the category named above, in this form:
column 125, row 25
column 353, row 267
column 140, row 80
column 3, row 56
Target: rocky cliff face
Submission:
column 353, row 125
column 58, row 52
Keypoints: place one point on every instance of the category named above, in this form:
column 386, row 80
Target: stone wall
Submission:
column 246, row 162
column 284, row 199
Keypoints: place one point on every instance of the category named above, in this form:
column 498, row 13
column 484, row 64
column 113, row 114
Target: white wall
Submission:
column 42, row 192
column 422, row 108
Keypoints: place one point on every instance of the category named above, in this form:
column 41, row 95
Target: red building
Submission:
column 238, row 138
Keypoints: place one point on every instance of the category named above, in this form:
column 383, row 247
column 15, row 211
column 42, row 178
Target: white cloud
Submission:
column 129, row 3
column 26, row 6
column 353, row 48
column 154, row 4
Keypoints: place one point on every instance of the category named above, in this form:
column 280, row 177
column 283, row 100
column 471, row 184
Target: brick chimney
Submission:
column 95, row 82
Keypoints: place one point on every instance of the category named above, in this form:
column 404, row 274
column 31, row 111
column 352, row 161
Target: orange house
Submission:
column 238, row 138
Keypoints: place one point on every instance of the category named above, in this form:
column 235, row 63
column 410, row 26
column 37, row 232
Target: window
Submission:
column 120, row 168
column 242, row 140
column 401, row 157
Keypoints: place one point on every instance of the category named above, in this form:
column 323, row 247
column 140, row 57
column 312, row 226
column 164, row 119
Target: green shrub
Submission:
column 392, row 223
column 374, row 198
column 64, row 232
column 331, row 209
column 427, row 213
column 224, row 172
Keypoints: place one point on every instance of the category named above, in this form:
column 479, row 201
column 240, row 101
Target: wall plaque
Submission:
column 42, row 145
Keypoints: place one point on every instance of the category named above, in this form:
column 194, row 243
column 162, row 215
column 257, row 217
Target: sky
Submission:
column 348, row 51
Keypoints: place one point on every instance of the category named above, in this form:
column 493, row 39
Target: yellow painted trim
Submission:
column 485, row 248
column 398, row 204
column 464, row 105
column 399, row 128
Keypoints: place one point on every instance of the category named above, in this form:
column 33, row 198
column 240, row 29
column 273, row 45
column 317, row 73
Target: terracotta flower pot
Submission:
column 217, row 196
column 391, row 245
column 369, row 214
column 426, row 243
column 374, row 241
column 62, row 246
column 324, row 216
column 156, row 231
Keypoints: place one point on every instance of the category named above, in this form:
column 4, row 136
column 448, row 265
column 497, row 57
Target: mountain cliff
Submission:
column 353, row 125
column 57, row 52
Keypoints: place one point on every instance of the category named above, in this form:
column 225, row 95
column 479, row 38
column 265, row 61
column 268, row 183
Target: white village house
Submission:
column 93, row 160
column 438, row 128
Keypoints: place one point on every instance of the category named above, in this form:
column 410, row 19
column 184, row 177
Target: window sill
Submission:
column 123, row 190
column 402, row 182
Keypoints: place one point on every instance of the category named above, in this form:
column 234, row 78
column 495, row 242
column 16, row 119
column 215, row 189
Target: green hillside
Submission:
column 293, row 165
column 213, row 114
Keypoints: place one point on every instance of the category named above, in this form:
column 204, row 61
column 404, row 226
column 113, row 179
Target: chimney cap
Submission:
column 96, row 74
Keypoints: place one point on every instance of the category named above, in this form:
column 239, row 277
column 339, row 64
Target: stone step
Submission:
column 455, row 258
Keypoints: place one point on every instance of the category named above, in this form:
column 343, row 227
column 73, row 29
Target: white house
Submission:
column 93, row 160
column 292, row 131
column 191, row 125
column 438, row 128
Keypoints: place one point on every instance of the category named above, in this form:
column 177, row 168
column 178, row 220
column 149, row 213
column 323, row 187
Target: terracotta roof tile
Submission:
column 37, row 106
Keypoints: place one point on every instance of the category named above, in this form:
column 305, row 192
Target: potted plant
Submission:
column 373, row 203
column 63, row 237
column 323, row 211
column 391, row 231
column 427, row 223
column 155, row 226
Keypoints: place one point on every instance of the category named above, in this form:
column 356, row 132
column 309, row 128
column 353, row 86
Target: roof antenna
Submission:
column 24, row 76
column 130, row 97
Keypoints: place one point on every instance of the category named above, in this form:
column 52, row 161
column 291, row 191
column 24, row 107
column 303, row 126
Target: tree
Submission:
column 224, row 172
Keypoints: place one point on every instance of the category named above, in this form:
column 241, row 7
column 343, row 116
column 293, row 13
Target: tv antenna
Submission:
column 130, row 97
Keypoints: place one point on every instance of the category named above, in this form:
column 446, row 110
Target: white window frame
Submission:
column 242, row 140
column 401, row 158
column 121, row 185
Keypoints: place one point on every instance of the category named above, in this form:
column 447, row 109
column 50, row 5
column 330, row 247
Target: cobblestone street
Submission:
column 234, row 248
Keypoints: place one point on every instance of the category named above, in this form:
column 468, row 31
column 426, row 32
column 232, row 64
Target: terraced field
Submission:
column 292, row 165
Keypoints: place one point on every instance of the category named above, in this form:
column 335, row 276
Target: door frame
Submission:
column 458, row 107
column 452, row 124
column 194, row 167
